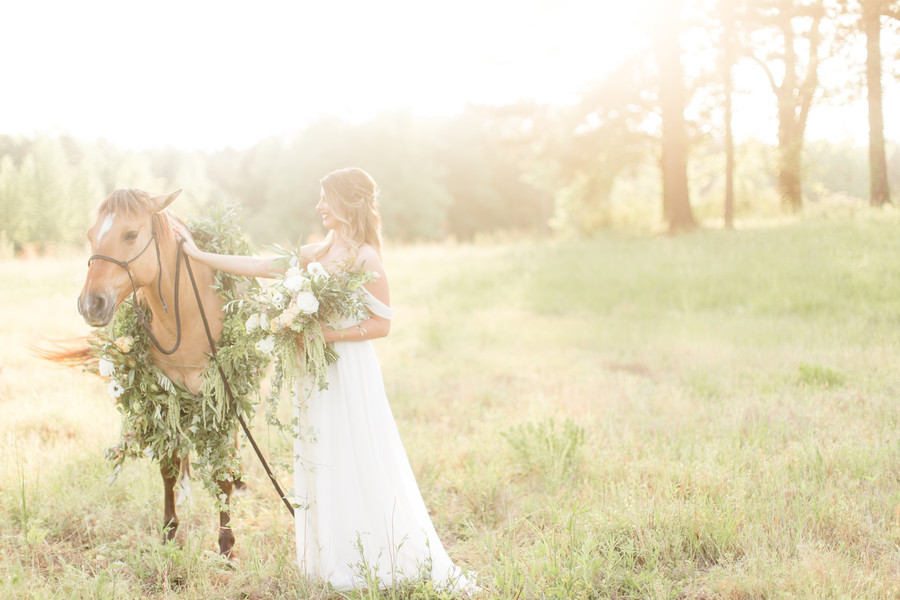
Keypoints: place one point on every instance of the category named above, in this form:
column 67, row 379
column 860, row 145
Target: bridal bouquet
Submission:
column 286, row 319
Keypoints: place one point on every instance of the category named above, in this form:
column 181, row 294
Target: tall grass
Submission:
column 709, row 416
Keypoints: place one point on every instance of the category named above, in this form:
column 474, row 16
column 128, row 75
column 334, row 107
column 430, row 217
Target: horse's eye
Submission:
column 131, row 235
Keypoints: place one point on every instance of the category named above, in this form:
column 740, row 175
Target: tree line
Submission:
column 651, row 141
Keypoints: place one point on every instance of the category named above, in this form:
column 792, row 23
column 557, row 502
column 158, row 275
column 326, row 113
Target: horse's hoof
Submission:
column 170, row 531
column 240, row 488
column 232, row 558
column 226, row 542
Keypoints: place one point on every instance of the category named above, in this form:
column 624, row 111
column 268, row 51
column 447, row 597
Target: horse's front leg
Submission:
column 240, row 486
column 226, row 536
column 170, row 470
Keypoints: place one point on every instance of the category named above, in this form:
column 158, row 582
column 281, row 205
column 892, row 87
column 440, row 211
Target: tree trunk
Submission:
column 676, row 200
column 790, row 167
column 728, row 60
column 794, row 97
column 790, row 146
column 879, row 194
column 729, row 161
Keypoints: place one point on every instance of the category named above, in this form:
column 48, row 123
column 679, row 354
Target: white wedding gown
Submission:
column 361, row 510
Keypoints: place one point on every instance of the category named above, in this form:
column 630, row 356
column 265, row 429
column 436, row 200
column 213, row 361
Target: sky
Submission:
column 201, row 74
column 194, row 73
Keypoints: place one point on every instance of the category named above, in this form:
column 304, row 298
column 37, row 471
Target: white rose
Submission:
column 295, row 283
column 307, row 302
column 253, row 322
column 106, row 367
column 115, row 390
column 317, row 270
column 266, row 346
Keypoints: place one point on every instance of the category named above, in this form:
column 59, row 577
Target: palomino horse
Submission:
column 134, row 246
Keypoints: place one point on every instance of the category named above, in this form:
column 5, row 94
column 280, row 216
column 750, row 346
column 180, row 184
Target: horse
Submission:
column 134, row 250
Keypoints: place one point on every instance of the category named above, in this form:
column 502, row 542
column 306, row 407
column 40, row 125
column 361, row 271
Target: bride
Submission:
column 362, row 516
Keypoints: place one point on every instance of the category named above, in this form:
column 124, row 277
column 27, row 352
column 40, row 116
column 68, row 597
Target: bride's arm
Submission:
column 248, row 266
column 374, row 327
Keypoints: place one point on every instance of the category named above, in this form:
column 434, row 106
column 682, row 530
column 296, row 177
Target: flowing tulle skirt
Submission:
column 362, row 515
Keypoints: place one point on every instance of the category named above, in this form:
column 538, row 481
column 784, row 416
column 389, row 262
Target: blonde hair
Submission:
column 352, row 197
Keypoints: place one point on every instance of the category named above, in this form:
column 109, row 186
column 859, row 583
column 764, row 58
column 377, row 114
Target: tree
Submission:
column 728, row 57
column 11, row 209
column 578, row 152
column 782, row 28
column 871, row 12
column 667, row 50
column 481, row 152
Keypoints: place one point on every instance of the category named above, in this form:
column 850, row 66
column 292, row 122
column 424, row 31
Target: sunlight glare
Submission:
column 211, row 74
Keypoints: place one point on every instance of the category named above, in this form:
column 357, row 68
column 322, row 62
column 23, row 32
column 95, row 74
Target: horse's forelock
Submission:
column 127, row 202
column 131, row 202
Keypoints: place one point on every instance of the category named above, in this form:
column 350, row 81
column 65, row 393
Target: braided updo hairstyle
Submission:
column 352, row 197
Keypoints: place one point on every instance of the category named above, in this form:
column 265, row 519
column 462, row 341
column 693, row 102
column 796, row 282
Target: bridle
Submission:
column 142, row 317
column 212, row 344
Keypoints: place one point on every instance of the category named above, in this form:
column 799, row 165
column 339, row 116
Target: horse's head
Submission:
column 124, row 239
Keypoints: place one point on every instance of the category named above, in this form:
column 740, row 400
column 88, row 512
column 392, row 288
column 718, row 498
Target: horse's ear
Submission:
column 159, row 203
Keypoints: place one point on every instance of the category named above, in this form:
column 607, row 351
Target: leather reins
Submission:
column 212, row 344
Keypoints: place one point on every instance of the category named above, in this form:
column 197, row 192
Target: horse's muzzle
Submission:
column 96, row 309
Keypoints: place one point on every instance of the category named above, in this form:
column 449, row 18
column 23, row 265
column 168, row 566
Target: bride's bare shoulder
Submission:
column 368, row 256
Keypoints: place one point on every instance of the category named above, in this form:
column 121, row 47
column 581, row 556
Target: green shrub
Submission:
column 551, row 454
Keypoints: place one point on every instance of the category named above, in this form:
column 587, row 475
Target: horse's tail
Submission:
column 73, row 352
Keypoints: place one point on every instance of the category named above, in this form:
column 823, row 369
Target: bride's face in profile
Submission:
column 328, row 219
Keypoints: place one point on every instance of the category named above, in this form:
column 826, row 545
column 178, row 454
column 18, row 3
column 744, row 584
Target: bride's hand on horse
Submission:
column 190, row 247
column 247, row 266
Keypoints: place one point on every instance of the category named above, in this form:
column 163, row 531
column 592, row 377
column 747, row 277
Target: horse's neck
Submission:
column 188, row 363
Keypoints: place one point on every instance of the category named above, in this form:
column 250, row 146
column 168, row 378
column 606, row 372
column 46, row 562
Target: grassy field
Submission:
column 710, row 416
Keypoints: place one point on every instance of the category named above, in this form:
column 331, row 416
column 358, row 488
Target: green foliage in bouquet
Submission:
column 286, row 321
column 160, row 417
